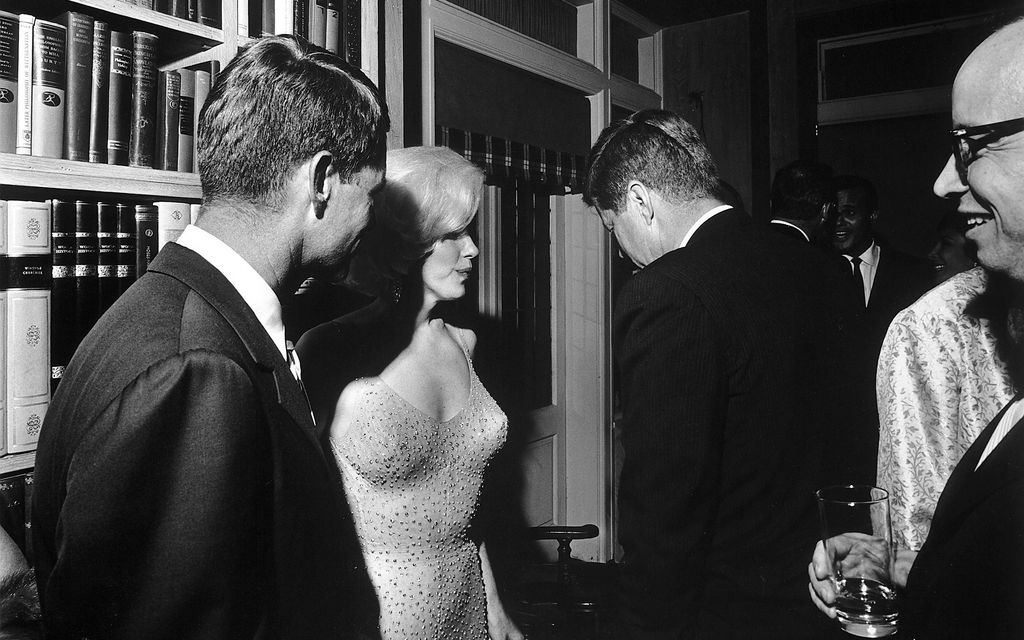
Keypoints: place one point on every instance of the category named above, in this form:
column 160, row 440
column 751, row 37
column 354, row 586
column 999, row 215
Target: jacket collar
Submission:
column 206, row 281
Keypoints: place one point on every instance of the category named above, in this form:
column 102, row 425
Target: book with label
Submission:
column 8, row 82
column 100, row 94
column 142, row 144
column 106, row 257
column 23, row 144
column 87, row 296
column 119, row 97
column 186, row 119
column 49, row 61
column 125, row 247
column 203, row 81
column 78, row 92
column 147, row 238
column 333, row 28
column 27, row 272
column 62, row 301
column 318, row 22
column 172, row 218
column 167, row 116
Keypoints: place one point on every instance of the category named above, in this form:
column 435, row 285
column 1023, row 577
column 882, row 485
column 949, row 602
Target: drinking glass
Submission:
column 857, row 535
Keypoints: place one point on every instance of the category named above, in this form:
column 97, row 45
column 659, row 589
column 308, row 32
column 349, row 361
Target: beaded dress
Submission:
column 413, row 482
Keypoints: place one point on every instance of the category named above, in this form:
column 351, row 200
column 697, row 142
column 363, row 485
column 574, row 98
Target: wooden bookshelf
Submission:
column 52, row 174
column 17, row 462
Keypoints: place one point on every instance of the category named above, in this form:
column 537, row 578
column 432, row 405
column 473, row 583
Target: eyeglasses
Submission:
column 968, row 141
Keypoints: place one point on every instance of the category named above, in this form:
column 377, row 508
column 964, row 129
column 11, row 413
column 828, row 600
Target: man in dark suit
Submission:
column 726, row 344
column 181, row 488
column 801, row 199
column 966, row 581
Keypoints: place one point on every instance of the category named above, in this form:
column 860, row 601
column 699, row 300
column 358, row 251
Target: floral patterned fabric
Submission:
column 939, row 384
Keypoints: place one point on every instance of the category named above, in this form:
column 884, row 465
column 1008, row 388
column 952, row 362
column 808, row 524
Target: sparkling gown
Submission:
column 413, row 483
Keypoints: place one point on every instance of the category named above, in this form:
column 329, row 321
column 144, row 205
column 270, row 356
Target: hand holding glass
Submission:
column 857, row 538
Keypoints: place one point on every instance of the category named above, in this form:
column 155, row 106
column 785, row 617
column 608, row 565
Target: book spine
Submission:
column 179, row 9
column 24, row 97
column 300, row 18
column 49, row 62
column 333, row 28
column 145, row 4
column 8, row 82
column 29, row 544
column 100, row 94
column 28, row 322
column 243, row 12
column 193, row 212
column 193, row 10
column 168, row 115
column 318, row 22
column 172, row 218
column 186, row 119
column 62, row 311
column 78, row 96
column 352, row 25
column 106, row 255
column 125, row 247
column 119, row 97
column 266, row 17
column 284, row 18
column 87, row 297
column 142, row 145
column 147, row 237
column 203, row 82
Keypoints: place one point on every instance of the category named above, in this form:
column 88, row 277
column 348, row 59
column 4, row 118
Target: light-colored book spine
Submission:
column 8, row 82
column 27, row 320
column 333, row 27
column 318, row 22
column 203, row 80
column 171, row 220
column 24, row 130
column 283, row 21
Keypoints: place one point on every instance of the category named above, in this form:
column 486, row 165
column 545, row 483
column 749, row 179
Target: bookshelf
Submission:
column 53, row 176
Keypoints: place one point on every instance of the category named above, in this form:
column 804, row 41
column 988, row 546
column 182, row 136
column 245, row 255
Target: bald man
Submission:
column 968, row 579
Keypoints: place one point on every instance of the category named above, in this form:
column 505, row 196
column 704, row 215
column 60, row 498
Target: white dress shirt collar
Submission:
column 790, row 224
column 701, row 220
column 249, row 284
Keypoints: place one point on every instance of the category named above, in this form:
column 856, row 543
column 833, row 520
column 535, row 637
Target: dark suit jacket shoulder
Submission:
column 966, row 581
column 726, row 349
column 181, row 491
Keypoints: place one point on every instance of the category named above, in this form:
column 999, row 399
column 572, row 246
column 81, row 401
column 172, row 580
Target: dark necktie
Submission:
column 858, row 278
column 293, row 365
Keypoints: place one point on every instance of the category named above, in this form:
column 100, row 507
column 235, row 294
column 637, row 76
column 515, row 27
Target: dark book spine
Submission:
column 300, row 18
column 106, row 257
column 125, row 247
column 12, row 508
column 49, row 77
column 351, row 25
column 147, row 239
column 119, row 102
column 78, row 95
column 87, row 297
column 62, row 310
column 168, row 116
column 186, row 120
column 100, row 92
column 142, row 145
column 193, row 10
column 8, row 82
column 209, row 13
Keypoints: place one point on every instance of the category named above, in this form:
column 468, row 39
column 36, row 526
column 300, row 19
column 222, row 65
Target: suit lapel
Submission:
column 191, row 269
column 967, row 487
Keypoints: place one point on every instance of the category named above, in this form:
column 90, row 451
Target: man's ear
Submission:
column 321, row 168
column 639, row 196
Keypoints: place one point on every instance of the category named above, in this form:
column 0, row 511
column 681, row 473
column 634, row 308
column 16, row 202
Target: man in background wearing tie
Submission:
column 966, row 581
column 181, row 487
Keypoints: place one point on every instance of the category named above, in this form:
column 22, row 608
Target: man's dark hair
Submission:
column 852, row 183
column 800, row 189
column 279, row 102
column 656, row 147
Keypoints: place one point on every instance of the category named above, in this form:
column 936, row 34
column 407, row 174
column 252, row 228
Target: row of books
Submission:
column 16, row 511
column 64, row 262
column 75, row 89
column 205, row 12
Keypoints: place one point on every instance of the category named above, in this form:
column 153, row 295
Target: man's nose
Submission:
column 949, row 184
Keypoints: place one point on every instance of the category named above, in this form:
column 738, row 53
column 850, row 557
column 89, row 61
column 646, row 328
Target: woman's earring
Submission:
column 395, row 291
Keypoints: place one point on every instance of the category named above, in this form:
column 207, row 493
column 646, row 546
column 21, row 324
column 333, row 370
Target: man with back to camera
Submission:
column 181, row 487
column 966, row 581
column 726, row 344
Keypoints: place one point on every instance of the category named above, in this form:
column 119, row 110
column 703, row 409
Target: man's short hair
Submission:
column 800, row 189
column 656, row 147
column 275, row 105
column 854, row 183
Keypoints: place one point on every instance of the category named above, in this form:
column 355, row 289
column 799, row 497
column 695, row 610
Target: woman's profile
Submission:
column 410, row 424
